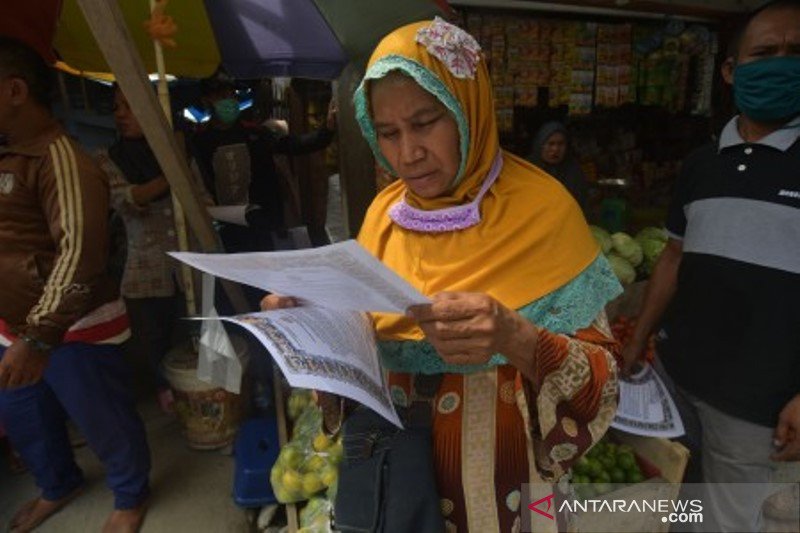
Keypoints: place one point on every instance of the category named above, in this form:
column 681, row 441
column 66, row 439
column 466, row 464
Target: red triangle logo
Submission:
column 534, row 506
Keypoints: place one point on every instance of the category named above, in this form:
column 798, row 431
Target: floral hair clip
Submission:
column 454, row 47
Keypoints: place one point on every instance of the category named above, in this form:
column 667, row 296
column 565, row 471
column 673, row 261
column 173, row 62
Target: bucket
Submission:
column 209, row 415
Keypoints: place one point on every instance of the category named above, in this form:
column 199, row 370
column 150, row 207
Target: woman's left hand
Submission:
column 468, row 328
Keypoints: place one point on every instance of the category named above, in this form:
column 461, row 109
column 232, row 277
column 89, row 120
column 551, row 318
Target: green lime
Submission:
column 603, row 477
column 634, row 477
column 624, row 448
column 595, row 467
column 608, row 462
column 603, row 488
column 617, row 475
column 581, row 466
column 627, row 462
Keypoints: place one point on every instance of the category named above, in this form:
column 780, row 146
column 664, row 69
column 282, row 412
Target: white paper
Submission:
column 338, row 276
column 232, row 214
column 646, row 407
column 324, row 349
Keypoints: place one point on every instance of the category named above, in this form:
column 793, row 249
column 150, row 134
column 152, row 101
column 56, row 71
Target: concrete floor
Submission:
column 191, row 489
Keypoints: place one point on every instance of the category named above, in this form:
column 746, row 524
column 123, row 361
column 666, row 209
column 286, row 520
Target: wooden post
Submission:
column 108, row 26
column 356, row 163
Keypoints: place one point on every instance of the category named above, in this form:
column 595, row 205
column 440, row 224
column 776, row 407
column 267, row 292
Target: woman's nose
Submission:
column 411, row 150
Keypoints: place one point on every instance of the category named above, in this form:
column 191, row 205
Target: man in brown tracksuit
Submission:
column 61, row 319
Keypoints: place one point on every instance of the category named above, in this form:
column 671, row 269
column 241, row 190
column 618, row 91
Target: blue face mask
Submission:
column 227, row 110
column 768, row 90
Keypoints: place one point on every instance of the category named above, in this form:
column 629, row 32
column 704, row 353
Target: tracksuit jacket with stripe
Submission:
column 54, row 203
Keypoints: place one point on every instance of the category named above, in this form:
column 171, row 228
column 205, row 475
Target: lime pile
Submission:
column 309, row 462
column 605, row 468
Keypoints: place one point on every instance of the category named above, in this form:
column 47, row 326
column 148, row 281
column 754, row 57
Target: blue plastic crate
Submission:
column 256, row 450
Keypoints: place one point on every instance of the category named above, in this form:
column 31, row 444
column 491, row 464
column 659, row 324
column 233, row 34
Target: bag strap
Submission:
column 423, row 392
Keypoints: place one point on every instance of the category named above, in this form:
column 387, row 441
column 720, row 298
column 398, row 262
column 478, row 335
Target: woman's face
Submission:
column 127, row 123
column 416, row 134
column 554, row 149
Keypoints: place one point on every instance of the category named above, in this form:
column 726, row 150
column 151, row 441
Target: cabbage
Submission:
column 652, row 233
column 627, row 248
column 602, row 237
column 651, row 249
column 622, row 268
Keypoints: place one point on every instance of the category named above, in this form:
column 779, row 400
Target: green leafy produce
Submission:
column 602, row 237
column 626, row 247
column 651, row 249
column 652, row 233
column 622, row 268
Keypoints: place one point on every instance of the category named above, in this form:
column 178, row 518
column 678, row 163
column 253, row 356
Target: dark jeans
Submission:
column 90, row 385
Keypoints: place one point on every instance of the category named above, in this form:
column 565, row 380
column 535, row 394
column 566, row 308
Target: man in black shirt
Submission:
column 236, row 159
column 728, row 282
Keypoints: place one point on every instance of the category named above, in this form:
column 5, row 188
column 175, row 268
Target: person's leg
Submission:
column 92, row 383
column 737, row 470
column 35, row 424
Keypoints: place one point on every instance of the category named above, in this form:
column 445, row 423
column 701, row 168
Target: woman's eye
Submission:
column 391, row 134
column 426, row 124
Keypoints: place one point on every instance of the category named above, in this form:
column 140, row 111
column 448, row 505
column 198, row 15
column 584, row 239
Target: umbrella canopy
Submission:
column 250, row 38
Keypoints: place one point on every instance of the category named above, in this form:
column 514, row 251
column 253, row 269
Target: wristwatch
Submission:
column 36, row 344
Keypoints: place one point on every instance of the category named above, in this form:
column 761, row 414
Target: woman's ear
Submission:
column 726, row 69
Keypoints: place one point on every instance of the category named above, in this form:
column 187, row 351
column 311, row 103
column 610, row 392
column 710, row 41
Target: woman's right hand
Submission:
column 271, row 302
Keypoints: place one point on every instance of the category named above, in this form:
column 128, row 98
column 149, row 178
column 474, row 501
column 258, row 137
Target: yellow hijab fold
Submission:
column 532, row 238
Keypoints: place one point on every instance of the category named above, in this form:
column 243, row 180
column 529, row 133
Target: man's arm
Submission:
column 660, row 290
column 74, row 198
column 73, row 195
column 309, row 142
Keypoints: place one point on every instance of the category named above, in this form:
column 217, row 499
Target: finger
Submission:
column 16, row 378
column 420, row 312
column 789, row 452
column 474, row 347
column 277, row 301
column 781, row 434
column 456, row 329
column 285, row 302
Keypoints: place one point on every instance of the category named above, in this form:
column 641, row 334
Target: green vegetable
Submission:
column 602, row 237
column 622, row 268
column 652, row 233
column 651, row 249
column 626, row 247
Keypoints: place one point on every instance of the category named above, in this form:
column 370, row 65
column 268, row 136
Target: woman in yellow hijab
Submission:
column 520, row 333
column 516, row 328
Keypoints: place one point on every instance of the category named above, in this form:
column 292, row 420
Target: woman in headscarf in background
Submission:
column 516, row 328
column 552, row 153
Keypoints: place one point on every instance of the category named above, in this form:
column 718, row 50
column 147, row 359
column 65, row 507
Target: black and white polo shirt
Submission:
column 732, row 332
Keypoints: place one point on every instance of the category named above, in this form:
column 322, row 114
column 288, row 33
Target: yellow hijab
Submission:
column 532, row 238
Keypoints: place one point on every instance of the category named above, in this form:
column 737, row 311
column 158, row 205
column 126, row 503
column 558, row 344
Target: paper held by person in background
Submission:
column 232, row 214
column 646, row 407
column 328, row 342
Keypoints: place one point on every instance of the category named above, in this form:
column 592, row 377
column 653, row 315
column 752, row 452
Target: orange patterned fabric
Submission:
column 488, row 427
